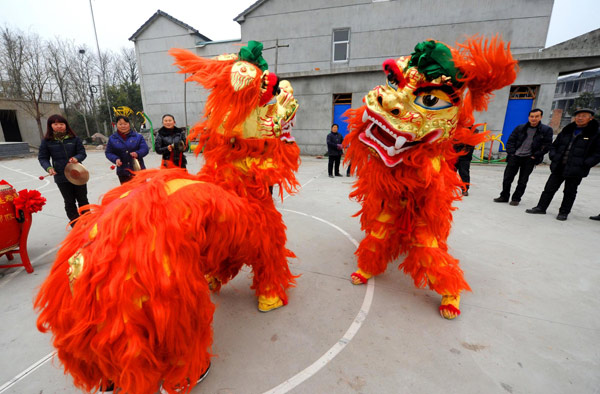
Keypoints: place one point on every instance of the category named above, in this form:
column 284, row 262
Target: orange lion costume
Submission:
column 400, row 147
column 127, row 299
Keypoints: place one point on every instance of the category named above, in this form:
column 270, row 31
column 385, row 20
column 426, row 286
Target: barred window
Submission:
column 341, row 45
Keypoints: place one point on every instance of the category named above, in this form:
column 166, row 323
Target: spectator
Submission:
column 62, row 146
column 574, row 152
column 124, row 148
column 171, row 143
column 526, row 147
column 334, row 150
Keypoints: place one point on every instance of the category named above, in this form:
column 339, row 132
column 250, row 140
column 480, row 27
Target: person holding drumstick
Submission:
column 126, row 149
column 62, row 146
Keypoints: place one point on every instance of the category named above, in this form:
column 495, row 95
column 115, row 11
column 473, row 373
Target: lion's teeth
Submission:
column 365, row 116
column 400, row 142
column 391, row 151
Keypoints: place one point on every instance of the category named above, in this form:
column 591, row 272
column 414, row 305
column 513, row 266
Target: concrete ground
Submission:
column 531, row 324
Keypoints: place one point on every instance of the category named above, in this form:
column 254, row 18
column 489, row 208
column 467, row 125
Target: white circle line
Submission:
column 44, row 359
column 330, row 354
column 18, row 171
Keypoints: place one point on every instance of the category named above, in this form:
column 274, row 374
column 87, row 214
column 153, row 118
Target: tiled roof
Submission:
column 175, row 20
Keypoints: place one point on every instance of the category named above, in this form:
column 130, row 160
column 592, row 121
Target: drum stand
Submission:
column 21, row 248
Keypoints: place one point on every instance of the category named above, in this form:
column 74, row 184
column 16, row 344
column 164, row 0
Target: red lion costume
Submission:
column 400, row 146
column 127, row 299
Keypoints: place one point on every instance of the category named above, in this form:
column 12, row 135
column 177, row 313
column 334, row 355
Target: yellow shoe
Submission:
column 360, row 277
column 266, row 304
column 449, row 308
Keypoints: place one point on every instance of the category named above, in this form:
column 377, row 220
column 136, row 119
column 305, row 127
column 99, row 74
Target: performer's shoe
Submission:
column 562, row 217
column 597, row 217
column 266, row 304
column 500, row 199
column 514, row 203
column 109, row 387
column 449, row 308
column 360, row 277
column 180, row 389
column 214, row 283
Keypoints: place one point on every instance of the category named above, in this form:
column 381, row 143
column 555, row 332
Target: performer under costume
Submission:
column 400, row 146
column 127, row 299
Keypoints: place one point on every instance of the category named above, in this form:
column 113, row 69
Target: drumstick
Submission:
column 112, row 167
column 43, row 176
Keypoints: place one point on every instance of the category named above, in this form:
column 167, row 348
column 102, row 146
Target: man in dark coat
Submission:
column 334, row 150
column 526, row 147
column 573, row 153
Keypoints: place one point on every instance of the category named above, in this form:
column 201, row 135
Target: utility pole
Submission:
column 101, row 67
column 83, row 90
column 276, row 47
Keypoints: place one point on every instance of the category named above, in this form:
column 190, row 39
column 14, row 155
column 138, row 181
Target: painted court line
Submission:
column 330, row 354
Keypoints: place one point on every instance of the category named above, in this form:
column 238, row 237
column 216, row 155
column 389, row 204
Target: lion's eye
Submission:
column 429, row 101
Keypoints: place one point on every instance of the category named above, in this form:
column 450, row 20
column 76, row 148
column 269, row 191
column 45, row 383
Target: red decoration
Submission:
column 29, row 201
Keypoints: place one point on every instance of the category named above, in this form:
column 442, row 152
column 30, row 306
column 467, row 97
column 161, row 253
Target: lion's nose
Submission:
column 393, row 106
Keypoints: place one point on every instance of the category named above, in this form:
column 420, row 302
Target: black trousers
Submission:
column 464, row 171
column 334, row 160
column 124, row 178
column 523, row 165
column 73, row 194
column 569, row 193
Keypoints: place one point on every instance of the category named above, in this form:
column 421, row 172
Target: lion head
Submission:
column 429, row 95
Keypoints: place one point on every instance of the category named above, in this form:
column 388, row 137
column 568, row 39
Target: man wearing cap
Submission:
column 573, row 153
column 526, row 147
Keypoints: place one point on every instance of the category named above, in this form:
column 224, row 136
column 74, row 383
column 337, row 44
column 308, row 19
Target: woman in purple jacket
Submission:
column 124, row 146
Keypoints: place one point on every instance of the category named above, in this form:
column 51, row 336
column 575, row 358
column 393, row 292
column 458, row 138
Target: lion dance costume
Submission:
column 127, row 299
column 400, row 147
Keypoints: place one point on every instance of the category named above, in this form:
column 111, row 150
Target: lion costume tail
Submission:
column 129, row 304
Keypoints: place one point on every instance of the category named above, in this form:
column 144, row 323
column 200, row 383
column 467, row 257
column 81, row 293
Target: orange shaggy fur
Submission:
column 415, row 198
column 139, row 314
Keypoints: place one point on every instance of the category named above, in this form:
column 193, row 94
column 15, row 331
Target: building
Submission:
column 18, row 125
column 332, row 54
column 570, row 87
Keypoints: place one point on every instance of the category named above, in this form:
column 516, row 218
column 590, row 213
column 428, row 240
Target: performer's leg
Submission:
column 272, row 276
column 377, row 249
column 428, row 262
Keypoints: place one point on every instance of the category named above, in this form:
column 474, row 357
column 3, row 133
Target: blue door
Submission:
column 517, row 112
column 338, row 111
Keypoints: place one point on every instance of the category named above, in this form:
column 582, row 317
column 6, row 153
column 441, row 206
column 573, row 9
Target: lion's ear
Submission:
column 204, row 71
column 485, row 65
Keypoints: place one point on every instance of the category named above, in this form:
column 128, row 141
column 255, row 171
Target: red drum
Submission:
column 9, row 227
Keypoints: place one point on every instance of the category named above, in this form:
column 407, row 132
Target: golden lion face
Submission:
column 273, row 120
column 403, row 118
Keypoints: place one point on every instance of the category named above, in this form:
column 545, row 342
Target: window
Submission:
column 589, row 85
column 341, row 44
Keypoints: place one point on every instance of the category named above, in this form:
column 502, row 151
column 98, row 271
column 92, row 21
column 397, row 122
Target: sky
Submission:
column 117, row 20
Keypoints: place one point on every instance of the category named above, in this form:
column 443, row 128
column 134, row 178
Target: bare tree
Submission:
column 60, row 57
column 12, row 54
column 35, row 79
column 81, row 71
column 126, row 66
